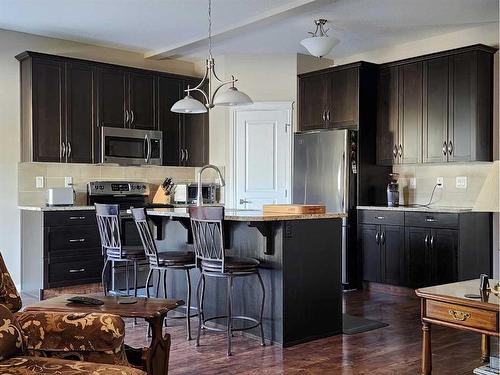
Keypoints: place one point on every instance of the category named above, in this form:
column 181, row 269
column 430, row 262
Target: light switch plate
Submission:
column 440, row 180
column 413, row 183
column 68, row 181
column 461, row 182
column 39, row 183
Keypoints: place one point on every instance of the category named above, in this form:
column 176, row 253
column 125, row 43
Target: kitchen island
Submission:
column 300, row 259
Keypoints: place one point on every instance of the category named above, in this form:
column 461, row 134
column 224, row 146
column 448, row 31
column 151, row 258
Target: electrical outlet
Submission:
column 413, row 183
column 39, row 183
column 461, row 182
column 440, row 182
column 68, row 181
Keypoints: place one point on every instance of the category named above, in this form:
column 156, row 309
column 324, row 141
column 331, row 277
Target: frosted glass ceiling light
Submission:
column 231, row 97
column 320, row 44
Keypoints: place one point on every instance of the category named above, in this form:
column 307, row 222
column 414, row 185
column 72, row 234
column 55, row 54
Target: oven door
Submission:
column 131, row 146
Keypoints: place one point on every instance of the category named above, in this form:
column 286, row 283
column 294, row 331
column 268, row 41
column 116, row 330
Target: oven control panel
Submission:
column 117, row 187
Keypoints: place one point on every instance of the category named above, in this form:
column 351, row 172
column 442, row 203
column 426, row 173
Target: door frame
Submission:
column 230, row 192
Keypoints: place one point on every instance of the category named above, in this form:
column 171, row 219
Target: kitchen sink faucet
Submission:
column 199, row 194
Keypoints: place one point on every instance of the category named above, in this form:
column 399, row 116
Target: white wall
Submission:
column 11, row 44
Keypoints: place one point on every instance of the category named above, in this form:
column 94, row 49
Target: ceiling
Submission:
column 178, row 28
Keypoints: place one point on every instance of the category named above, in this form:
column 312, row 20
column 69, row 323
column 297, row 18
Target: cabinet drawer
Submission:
column 63, row 218
column 431, row 220
column 381, row 217
column 72, row 238
column 75, row 272
column 462, row 315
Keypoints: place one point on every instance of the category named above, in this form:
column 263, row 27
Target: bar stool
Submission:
column 162, row 261
column 108, row 221
column 208, row 236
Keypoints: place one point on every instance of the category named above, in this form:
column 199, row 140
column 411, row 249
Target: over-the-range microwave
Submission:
column 131, row 146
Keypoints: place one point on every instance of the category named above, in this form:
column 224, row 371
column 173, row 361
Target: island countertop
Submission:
column 247, row 215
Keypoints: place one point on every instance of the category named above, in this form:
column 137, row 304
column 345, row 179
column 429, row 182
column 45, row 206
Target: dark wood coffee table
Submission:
column 153, row 310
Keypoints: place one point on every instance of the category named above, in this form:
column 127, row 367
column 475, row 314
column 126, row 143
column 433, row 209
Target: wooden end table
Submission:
column 445, row 305
column 153, row 310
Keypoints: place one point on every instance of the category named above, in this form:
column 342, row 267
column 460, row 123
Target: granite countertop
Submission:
column 246, row 215
column 437, row 209
column 56, row 208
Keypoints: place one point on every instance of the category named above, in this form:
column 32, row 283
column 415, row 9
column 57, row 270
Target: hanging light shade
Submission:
column 213, row 97
column 232, row 97
column 188, row 105
column 319, row 44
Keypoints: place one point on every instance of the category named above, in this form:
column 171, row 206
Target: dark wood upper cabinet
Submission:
column 185, row 136
column 410, row 113
column 343, row 110
column 65, row 101
column 142, row 93
column 314, row 94
column 170, row 123
column 388, row 116
column 112, row 94
column 435, row 110
column 444, row 107
column 80, row 130
column 48, row 111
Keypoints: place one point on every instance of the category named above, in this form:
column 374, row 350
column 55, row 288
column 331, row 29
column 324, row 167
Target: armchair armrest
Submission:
column 86, row 336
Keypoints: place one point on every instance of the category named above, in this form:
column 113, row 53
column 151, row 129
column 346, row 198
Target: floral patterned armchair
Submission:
column 58, row 343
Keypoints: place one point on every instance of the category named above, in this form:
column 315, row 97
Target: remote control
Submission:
column 86, row 300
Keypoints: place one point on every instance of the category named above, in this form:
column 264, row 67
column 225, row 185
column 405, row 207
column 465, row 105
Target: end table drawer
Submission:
column 462, row 315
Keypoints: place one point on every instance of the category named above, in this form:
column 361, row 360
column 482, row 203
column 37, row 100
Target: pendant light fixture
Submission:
column 320, row 44
column 230, row 97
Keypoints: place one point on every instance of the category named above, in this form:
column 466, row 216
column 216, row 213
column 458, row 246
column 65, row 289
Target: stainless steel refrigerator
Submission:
column 325, row 172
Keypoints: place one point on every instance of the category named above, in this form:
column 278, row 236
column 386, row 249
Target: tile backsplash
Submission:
column 449, row 195
column 54, row 174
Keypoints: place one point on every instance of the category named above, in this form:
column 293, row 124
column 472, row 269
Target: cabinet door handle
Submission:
column 395, row 151
column 63, row 149
column 79, row 270
column 432, row 242
column 126, row 118
column 377, row 238
column 382, row 238
column 324, row 116
column 328, row 116
column 430, row 220
column 380, row 217
column 132, row 117
column 77, row 240
column 445, row 147
column 450, row 148
column 69, row 149
column 77, row 217
column 426, row 241
column 187, row 154
column 400, row 151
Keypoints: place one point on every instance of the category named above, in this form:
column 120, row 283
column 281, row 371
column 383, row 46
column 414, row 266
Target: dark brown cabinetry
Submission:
column 185, row 137
column 57, row 114
column 65, row 101
column 330, row 98
column 443, row 107
column 417, row 249
column 127, row 99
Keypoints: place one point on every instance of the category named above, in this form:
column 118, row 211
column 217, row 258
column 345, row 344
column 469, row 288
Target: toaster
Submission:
column 60, row 196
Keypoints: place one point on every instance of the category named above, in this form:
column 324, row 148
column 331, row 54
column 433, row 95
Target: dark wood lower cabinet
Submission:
column 426, row 248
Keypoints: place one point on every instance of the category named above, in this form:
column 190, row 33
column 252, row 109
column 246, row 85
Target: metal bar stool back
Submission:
column 207, row 224
column 113, row 250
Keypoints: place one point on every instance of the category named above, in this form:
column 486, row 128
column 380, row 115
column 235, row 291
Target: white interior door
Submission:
column 262, row 157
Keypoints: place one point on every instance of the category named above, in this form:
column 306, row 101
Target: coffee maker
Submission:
column 393, row 190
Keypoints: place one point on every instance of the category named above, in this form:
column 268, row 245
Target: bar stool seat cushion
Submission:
column 129, row 252
column 231, row 264
column 176, row 258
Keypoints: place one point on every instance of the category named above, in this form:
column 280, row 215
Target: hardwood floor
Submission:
column 391, row 350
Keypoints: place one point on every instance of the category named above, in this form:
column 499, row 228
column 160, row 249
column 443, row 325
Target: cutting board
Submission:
column 294, row 209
